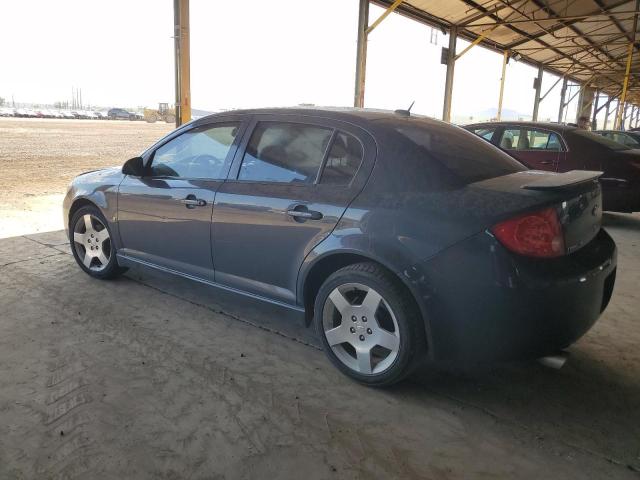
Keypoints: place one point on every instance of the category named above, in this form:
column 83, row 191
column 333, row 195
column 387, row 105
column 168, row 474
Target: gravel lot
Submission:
column 156, row 377
column 40, row 157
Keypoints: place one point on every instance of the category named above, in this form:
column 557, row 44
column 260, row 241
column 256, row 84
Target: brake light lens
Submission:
column 537, row 234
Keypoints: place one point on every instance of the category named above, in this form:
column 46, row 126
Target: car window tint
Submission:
column 197, row 153
column 444, row 155
column 599, row 140
column 625, row 139
column 530, row 139
column 486, row 133
column 343, row 160
column 284, row 152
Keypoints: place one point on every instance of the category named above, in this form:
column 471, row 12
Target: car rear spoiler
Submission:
column 561, row 181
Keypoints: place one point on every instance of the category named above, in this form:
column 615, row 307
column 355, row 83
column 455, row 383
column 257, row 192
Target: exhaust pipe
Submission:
column 554, row 361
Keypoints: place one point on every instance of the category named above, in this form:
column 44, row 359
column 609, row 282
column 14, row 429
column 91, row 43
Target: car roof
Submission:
column 560, row 127
column 364, row 117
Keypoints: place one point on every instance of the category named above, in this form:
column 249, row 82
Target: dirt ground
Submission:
column 153, row 377
column 39, row 157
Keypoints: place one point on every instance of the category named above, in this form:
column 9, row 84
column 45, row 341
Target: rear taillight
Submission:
column 537, row 234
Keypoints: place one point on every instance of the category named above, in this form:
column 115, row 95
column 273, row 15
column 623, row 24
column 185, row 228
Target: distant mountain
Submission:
column 507, row 114
column 195, row 113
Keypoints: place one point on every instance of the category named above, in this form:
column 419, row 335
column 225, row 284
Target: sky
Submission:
column 247, row 53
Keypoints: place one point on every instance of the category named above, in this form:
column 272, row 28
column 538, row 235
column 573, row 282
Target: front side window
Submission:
column 284, row 153
column 198, row 153
column 343, row 160
column 530, row 139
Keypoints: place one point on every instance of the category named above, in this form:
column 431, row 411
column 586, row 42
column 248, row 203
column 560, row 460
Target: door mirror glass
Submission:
column 134, row 166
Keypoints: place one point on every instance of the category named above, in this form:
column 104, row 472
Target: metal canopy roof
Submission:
column 587, row 41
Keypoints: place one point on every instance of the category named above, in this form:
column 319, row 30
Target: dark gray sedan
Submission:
column 400, row 238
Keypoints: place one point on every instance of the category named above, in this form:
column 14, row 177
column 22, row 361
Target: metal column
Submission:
column 594, row 120
column 182, row 63
column 451, row 63
column 615, row 117
column 606, row 114
column 563, row 92
column 361, row 55
column 538, row 87
column 505, row 59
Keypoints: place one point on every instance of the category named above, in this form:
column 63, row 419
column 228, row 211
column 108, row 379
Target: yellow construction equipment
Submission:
column 162, row 113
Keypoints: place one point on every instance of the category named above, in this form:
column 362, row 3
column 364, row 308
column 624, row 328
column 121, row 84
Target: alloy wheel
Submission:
column 361, row 328
column 92, row 242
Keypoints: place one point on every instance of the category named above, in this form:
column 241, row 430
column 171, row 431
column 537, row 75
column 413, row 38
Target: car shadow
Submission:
column 592, row 403
column 621, row 220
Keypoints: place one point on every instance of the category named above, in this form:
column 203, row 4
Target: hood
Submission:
column 99, row 175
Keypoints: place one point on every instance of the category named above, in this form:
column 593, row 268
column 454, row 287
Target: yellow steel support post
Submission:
column 505, row 59
column 182, row 61
column 625, row 85
column 386, row 13
column 476, row 41
column 361, row 55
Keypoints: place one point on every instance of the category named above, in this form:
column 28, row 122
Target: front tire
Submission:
column 369, row 325
column 91, row 244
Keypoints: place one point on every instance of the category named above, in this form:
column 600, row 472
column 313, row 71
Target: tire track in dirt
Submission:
column 68, row 449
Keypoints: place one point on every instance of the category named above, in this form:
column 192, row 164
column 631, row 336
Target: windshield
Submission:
column 605, row 142
column 465, row 157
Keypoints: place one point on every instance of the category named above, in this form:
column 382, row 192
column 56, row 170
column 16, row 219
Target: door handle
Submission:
column 546, row 162
column 304, row 214
column 192, row 202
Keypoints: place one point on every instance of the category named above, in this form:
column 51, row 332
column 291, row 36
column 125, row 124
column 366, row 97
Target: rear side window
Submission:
column 284, row 153
column 343, row 160
column 486, row 133
column 592, row 138
column 625, row 140
column 447, row 155
column 530, row 139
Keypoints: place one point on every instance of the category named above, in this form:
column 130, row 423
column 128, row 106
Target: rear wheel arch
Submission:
column 323, row 267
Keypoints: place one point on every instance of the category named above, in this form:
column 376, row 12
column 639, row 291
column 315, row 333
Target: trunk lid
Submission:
column 576, row 195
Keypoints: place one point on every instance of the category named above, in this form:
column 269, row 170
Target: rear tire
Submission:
column 369, row 325
column 92, row 245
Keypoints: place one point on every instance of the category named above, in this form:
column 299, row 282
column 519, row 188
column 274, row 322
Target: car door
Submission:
column 164, row 217
column 537, row 148
column 290, row 183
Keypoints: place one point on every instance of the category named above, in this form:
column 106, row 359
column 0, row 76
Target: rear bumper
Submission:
column 498, row 306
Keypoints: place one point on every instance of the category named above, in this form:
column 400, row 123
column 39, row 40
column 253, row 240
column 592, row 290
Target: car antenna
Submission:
column 406, row 112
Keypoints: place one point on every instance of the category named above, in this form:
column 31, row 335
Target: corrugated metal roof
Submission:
column 586, row 40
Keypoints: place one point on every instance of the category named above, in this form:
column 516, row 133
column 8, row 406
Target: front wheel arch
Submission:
column 77, row 205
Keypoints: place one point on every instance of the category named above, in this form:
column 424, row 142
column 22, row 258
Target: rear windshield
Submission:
column 605, row 142
column 466, row 157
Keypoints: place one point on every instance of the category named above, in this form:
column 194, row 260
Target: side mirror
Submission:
column 134, row 166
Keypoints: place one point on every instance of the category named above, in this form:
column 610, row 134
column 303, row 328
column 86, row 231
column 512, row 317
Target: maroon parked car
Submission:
column 560, row 148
